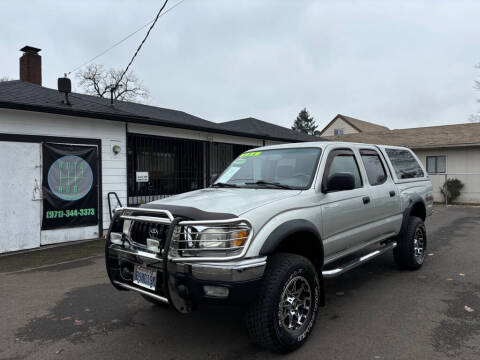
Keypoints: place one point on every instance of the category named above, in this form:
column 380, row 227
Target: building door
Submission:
column 20, row 180
column 159, row 167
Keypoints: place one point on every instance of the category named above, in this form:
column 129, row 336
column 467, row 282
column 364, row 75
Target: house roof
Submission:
column 252, row 126
column 422, row 137
column 23, row 95
column 359, row 125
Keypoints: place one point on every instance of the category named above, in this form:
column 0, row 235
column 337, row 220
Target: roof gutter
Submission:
column 134, row 119
column 427, row 147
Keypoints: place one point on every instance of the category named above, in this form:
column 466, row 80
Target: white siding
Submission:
column 191, row 134
column 114, row 172
column 19, row 196
column 114, row 167
column 271, row 142
column 339, row 124
column 460, row 161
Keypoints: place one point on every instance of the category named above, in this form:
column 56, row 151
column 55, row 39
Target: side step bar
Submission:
column 327, row 274
column 143, row 292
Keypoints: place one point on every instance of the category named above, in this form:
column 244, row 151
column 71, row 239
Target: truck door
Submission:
column 346, row 214
column 386, row 210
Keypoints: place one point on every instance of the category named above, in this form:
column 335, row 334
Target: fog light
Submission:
column 152, row 245
column 116, row 238
column 216, row 291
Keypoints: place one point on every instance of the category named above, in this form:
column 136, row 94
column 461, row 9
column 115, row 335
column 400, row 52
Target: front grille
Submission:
column 140, row 231
column 186, row 244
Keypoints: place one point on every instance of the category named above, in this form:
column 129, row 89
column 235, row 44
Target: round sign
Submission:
column 70, row 178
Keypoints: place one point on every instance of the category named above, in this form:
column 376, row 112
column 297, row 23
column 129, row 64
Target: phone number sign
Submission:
column 70, row 179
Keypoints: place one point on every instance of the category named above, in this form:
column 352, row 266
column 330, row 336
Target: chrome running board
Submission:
column 143, row 292
column 357, row 262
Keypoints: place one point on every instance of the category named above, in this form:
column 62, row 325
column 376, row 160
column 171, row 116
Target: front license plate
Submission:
column 145, row 277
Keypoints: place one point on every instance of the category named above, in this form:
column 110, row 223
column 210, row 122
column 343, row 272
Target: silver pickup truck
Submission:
column 275, row 223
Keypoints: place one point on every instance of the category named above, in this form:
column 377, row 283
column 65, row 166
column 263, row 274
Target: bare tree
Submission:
column 474, row 117
column 95, row 80
column 4, row 78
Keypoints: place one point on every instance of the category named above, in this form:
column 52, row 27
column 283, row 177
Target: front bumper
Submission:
column 182, row 284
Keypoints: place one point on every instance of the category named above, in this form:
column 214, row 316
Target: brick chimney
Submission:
column 31, row 65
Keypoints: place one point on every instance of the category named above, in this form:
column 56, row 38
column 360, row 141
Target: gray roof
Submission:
column 265, row 129
column 360, row 125
column 23, row 95
column 421, row 137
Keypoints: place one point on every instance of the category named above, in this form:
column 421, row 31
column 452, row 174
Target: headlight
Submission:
column 222, row 238
column 116, row 238
column 217, row 241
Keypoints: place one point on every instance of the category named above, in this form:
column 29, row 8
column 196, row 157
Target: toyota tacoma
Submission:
column 277, row 222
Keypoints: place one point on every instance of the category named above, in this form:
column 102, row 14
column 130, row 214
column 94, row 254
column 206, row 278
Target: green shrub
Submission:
column 451, row 189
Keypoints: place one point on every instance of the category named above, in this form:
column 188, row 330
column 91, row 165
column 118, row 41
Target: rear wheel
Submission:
column 283, row 315
column 411, row 245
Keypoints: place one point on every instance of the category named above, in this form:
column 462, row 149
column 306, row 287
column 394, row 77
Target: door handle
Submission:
column 392, row 193
column 366, row 199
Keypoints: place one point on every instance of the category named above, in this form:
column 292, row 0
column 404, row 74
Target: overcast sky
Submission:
column 396, row 63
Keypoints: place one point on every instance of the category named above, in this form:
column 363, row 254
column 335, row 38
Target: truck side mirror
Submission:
column 339, row 182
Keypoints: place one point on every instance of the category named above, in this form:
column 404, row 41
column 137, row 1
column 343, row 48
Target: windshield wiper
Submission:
column 263, row 182
column 221, row 184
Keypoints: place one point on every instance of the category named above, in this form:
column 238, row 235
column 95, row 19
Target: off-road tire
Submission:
column 263, row 315
column 404, row 253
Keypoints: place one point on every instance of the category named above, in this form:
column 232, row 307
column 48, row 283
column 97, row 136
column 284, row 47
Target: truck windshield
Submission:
column 278, row 168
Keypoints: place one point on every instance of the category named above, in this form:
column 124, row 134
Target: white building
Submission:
column 343, row 125
column 140, row 152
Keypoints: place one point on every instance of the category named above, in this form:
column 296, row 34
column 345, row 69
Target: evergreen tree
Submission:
column 305, row 123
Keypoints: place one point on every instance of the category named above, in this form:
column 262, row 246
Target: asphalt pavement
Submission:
column 58, row 304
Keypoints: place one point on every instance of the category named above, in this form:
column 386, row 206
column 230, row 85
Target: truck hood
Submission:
column 226, row 200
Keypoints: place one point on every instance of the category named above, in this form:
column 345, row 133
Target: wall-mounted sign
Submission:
column 70, row 193
column 70, row 178
column 142, row 176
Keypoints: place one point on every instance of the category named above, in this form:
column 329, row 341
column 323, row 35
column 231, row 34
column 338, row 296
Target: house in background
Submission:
column 448, row 151
column 341, row 125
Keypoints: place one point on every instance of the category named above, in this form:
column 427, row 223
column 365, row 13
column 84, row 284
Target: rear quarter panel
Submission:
column 422, row 188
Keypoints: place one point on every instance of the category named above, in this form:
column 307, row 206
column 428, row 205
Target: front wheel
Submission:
column 283, row 315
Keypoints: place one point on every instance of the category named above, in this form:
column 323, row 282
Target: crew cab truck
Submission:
column 273, row 225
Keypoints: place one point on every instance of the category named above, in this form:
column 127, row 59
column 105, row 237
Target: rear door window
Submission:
column 374, row 167
column 404, row 164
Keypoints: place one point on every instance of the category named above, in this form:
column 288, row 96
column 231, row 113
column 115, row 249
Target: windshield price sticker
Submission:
column 251, row 154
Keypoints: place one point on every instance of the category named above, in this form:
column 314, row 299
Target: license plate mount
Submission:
column 145, row 277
